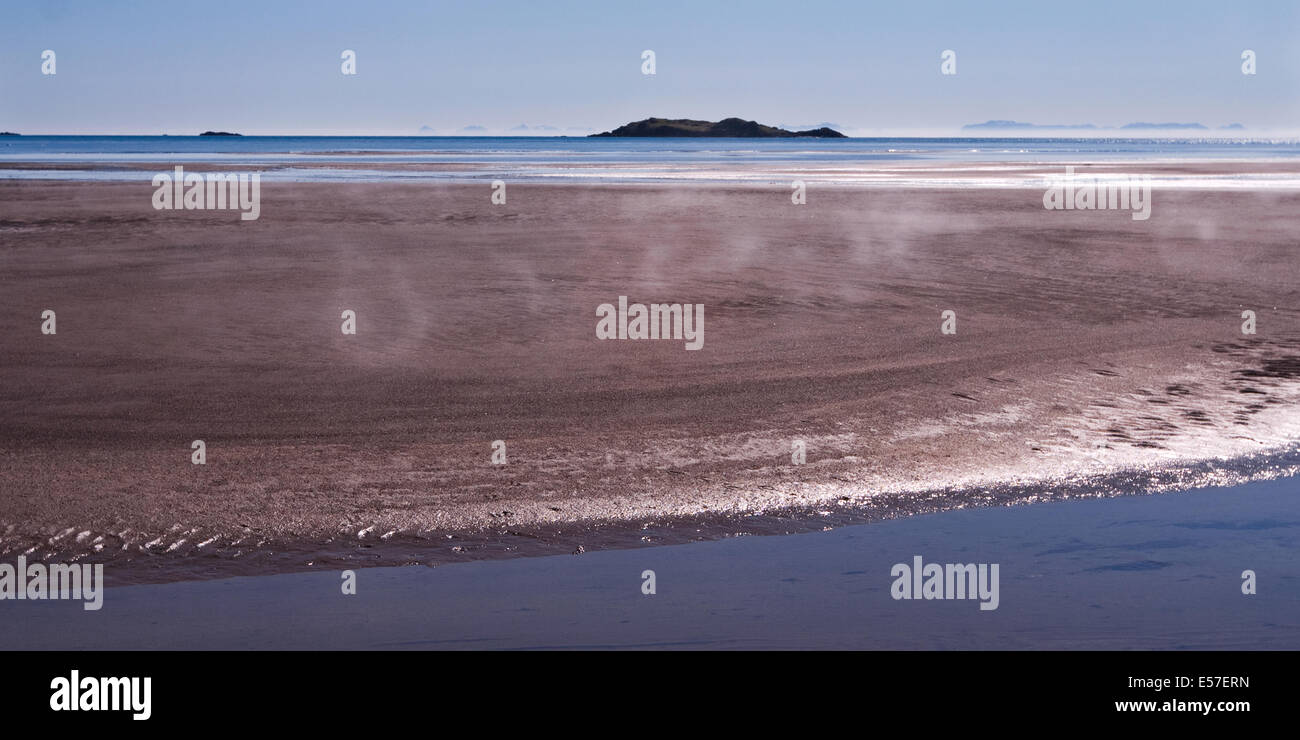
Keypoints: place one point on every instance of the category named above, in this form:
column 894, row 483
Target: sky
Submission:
column 273, row 67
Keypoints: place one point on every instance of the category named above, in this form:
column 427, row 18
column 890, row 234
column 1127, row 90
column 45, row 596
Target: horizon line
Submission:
column 1009, row 133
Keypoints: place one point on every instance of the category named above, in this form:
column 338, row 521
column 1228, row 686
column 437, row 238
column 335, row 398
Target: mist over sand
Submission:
column 1090, row 350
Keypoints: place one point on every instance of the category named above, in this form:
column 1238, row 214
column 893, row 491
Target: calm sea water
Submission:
column 557, row 148
column 588, row 159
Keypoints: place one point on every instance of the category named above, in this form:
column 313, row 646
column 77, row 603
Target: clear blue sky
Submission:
column 272, row 67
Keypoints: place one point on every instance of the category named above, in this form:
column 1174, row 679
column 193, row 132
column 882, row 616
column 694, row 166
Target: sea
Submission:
column 973, row 161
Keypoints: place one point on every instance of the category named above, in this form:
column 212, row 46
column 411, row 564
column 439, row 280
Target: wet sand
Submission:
column 1088, row 346
column 1134, row 573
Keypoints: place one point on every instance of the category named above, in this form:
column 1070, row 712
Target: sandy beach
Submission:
column 1094, row 354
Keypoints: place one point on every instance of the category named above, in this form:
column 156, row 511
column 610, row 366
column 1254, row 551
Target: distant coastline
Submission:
column 998, row 125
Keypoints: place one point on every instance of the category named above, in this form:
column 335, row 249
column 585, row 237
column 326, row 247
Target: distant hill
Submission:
column 1017, row 125
column 1020, row 126
column 726, row 128
column 218, row 133
column 1167, row 126
column 9, row 133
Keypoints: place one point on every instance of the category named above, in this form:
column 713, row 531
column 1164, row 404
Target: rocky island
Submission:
column 218, row 133
column 726, row 128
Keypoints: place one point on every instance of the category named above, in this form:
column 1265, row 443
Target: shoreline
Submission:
column 1266, row 175
column 165, row 564
column 1142, row 572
